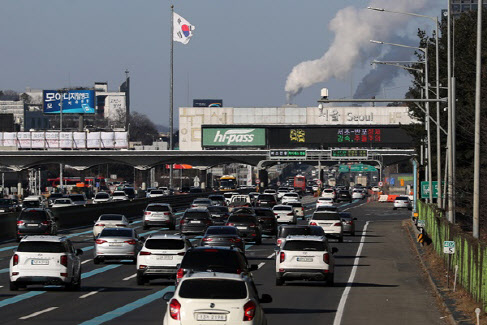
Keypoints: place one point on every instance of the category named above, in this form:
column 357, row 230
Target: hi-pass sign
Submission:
column 233, row 137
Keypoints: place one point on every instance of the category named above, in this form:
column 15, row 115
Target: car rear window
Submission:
column 402, row 198
column 157, row 208
column 77, row 197
column 345, row 215
column 164, row 244
column 328, row 191
column 213, row 289
column 323, row 208
column 218, row 209
column 285, row 208
column 264, row 213
column 118, row 193
column 111, row 217
column 156, row 192
column 5, row 201
column 116, row 233
column 289, row 231
column 102, row 196
column 242, row 218
column 41, row 247
column 304, row 245
column 62, row 201
column 291, row 195
column 268, row 197
column 206, row 201
column 325, row 216
column 195, row 215
column 211, row 259
column 31, row 204
column 295, row 204
column 33, row 215
column 222, row 231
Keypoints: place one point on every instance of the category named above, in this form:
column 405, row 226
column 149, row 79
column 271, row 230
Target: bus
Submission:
column 90, row 181
column 228, row 183
column 300, row 182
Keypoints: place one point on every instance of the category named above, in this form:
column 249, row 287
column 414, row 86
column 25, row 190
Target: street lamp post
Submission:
column 438, row 142
column 428, row 133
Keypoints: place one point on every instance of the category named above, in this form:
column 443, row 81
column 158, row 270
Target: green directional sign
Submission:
column 425, row 189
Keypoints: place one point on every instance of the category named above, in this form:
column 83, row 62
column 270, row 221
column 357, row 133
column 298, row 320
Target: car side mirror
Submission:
column 265, row 299
column 79, row 252
column 168, row 296
column 334, row 250
column 254, row 267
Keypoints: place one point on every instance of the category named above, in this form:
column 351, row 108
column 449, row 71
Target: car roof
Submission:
column 34, row 209
column 197, row 210
column 305, row 237
column 220, row 227
column 111, row 215
column 219, row 248
column 214, row 275
column 34, row 198
column 160, row 204
column 166, row 236
column 282, row 205
column 117, row 228
column 43, row 238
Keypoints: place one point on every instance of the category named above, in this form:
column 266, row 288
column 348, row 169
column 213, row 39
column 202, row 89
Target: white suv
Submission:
column 331, row 223
column 160, row 257
column 285, row 214
column 305, row 258
column 46, row 260
column 213, row 297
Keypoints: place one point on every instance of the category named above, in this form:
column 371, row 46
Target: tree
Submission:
column 141, row 128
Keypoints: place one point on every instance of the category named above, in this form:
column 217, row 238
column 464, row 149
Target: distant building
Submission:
column 26, row 116
column 460, row 6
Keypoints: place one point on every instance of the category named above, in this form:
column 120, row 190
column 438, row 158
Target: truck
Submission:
column 361, row 180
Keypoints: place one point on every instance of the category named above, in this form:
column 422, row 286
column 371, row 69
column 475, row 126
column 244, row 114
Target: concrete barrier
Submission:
column 392, row 198
column 383, row 198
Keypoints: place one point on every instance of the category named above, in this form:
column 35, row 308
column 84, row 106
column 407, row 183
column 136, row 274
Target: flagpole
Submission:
column 171, row 99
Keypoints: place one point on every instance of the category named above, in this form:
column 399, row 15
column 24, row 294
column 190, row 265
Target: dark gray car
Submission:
column 195, row 221
column 248, row 226
column 222, row 236
column 219, row 214
column 36, row 221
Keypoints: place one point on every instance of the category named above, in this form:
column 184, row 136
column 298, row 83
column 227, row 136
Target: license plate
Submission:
column 115, row 244
column 39, row 262
column 194, row 221
column 164, row 257
column 32, row 224
column 242, row 228
column 304, row 259
column 217, row 317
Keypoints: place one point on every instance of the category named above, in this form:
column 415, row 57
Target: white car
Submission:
column 270, row 191
column 102, row 197
column 402, row 202
column 45, row 260
column 119, row 196
column 290, row 196
column 109, row 221
column 305, row 258
column 328, row 193
column 324, row 201
column 160, row 257
column 358, row 194
column 331, row 223
column 228, row 196
column 214, row 298
column 281, row 191
column 375, row 189
column 285, row 214
column 156, row 193
column 64, row 202
column 158, row 214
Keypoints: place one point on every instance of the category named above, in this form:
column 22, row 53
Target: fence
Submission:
column 470, row 254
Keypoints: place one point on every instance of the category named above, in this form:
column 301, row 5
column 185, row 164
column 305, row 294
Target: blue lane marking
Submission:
column 100, row 270
column 21, row 297
column 7, row 248
column 128, row 308
column 78, row 234
column 5, row 270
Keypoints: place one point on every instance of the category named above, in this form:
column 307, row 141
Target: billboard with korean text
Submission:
column 74, row 102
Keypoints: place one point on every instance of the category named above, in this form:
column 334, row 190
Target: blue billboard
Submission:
column 74, row 102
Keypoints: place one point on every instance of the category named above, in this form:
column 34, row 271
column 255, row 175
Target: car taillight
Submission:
column 207, row 239
column 326, row 258
column 166, row 213
column 230, row 224
column 193, row 205
column 15, row 260
column 180, row 274
column 337, row 224
column 100, row 241
column 131, row 242
column 279, row 242
column 100, row 225
column 182, row 222
column 145, row 253
column 350, row 222
column 252, row 225
column 20, row 223
column 45, row 223
column 64, row 260
column 147, row 213
column 236, row 240
column 282, row 257
column 249, row 311
column 290, row 214
column 313, row 224
column 174, row 309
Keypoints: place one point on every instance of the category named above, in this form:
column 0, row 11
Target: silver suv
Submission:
column 46, row 260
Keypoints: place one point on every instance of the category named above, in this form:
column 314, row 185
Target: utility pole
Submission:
column 476, row 173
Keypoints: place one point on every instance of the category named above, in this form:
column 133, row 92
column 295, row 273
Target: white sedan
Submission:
column 64, row 202
column 110, row 221
column 324, row 201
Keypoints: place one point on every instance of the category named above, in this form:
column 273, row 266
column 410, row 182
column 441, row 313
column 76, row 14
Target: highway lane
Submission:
column 110, row 295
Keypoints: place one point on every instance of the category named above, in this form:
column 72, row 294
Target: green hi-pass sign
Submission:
column 425, row 189
column 233, row 137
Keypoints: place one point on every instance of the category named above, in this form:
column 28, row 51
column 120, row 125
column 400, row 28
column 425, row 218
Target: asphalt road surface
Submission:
column 377, row 281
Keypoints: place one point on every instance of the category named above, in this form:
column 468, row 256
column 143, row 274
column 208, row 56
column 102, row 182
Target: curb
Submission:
column 411, row 230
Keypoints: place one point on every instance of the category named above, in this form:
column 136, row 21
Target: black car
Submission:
column 217, row 199
column 36, row 221
column 248, row 226
column 343, row 196
column 219, row 214
column 267, row 220
column 214, row 259
column 222, row 236
column 7, row 205
column 195, row 221
column 266, row 200
column 130, row 191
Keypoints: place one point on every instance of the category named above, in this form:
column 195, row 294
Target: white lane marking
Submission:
column 130, row 277
column 271, row 256
column 354, row 206
column 84, row 262
column 346, row 292
column 260, row 265
column 39, row 312
column 91, row 293
column 1, row 287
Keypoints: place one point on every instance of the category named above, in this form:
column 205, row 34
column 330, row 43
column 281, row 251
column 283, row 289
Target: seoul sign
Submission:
column 238, row 137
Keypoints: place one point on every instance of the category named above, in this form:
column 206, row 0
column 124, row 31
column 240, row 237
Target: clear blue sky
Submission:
column 241, row 52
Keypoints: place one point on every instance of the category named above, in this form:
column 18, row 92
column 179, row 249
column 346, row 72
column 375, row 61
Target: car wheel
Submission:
column 352, row 233
column 13, row 286
column 140, row 280
column 394, row 208
column 18, row 239
column 172, row 227
column 258, row 241
column 74, row 285
column 340, row 240
column 279, row 282
column 145, row 227
column 331, row 280
column 96, row 260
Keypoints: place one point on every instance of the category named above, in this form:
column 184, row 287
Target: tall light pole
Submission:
column 438, row 142
column 428, row 128
column 476, row 173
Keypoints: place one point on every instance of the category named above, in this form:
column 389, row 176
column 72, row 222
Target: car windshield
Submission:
column 102, row 196
column 33, row 215
column 295, row 204
column 304, row 245
column 77, row 197
column 282, row 208
column 221, row 231
column 326, row 216
column 213, row 289
column 158, row 208
column 164, row 244
column 116, row 233
column 195, row 215
column 111, row 217
column 218, row 209
column 40, row 247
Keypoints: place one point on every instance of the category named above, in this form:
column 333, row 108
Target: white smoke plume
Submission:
column 353, row 28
